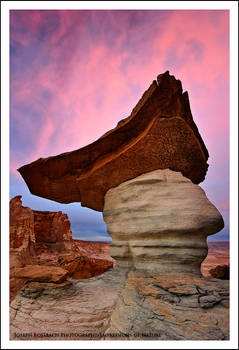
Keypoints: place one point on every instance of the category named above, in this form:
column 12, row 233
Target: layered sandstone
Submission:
column 160, row 219
column 41, row 273
column 159, row 133
column 42, row 249
column 170, row 307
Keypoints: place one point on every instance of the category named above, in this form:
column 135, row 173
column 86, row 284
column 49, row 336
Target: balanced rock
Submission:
column 161, row 219
column 159, row 133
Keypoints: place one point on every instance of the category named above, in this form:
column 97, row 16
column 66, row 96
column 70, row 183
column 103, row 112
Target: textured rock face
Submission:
column 41, row 246
column 21, row 224
column 51, row 227
column 171, row 307
column 123, row 304
column 22, row 237
column 160, row 219
column 80, row 307
column 159, row 133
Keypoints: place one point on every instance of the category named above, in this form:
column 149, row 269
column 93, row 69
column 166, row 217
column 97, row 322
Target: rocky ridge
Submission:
column 42, row 249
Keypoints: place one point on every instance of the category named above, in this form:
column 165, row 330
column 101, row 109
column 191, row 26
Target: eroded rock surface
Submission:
column 72, row 310
column 171, row 307
column 41, row 273
column 160, row 219
column 21, row 224
column 123, row 304
column 159, row 133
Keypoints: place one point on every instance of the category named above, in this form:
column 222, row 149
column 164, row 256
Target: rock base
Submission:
column 123, row 304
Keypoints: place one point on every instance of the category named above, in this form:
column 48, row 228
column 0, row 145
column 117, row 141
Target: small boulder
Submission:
column 221, row 272
column 41, row 273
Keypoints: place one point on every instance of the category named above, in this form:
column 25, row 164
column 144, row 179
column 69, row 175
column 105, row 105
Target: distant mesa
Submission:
column 159, row 134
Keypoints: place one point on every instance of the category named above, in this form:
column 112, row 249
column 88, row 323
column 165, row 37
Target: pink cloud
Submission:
column 94, row 68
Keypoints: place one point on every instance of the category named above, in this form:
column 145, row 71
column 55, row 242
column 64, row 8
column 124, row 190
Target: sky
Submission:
column 75, row 73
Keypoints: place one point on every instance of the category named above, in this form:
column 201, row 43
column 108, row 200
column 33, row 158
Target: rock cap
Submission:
column 159, row 133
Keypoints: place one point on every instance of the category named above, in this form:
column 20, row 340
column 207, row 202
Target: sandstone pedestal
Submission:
column 160, row 220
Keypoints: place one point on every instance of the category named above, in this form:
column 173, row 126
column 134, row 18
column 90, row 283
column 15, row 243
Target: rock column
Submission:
column 160, row 220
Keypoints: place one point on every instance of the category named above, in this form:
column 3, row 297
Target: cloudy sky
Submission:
column 74, row 74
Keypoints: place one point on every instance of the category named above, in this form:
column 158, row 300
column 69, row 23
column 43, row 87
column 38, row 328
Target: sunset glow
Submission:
column 75, row 73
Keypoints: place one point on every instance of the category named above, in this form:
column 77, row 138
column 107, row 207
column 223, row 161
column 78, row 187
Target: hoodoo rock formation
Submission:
column 143, row 175
column 42, row 249
column 159, row 133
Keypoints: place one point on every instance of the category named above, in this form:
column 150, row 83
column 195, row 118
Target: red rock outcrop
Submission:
column 159, row 133
column 41, row 273
column 51, row 227
column 41, row 248
column 22, row 238
column 21, row 224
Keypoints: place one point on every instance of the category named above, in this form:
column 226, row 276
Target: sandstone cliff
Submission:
column 42, row 249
